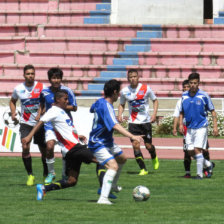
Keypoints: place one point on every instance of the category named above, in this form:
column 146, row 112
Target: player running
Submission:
column 137, row 95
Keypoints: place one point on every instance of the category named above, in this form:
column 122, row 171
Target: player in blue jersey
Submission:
column 195, row 106
column 101, row 141
column 55, row 76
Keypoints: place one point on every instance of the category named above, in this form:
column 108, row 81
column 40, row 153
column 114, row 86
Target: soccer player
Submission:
column 101, row 140
column 195, row 105
column 55, row 76
column 29, row 95
column 187, row 157
column 72, row 149
column 137, row 95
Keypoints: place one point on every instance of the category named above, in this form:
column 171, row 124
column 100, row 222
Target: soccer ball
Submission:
column 141, row 193
column 7, row 117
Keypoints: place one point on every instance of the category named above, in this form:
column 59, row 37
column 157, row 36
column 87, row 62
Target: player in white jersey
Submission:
column 74, row 152
column 55, row 76
column 29, row 95
column 137, row 95
column 101, row 141
column 194, row 109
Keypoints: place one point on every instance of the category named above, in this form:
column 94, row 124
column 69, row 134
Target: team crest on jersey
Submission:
column 141, row 92
column 36, row 90
column 198, row 102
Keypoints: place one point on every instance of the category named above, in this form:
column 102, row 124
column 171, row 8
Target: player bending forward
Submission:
column 74, row 152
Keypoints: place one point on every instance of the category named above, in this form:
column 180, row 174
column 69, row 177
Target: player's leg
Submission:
column 147, row 129
column 136, row 130
column 39, row 139
column 187, row 161
column 50, row 141
column 26, row 156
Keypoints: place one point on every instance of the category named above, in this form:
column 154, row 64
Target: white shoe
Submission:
column 104, row 201
column 116, row 188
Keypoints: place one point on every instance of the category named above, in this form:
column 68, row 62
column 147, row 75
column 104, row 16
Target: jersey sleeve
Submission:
column 49, row 116
column 109, row 117
column 71, row 98
column 122, row 98
column 177, row 109
column 210, row 106
column 151, row 94
column 15, row 95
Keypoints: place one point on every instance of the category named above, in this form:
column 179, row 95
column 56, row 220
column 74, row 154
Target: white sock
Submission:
column 50, row 165
column 207, row 163
column 200, row 160
column 107, row 183
column 120, row 166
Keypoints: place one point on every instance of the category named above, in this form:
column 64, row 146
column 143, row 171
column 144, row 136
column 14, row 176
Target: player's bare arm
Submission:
column 126, row 133
column 12, row 105
column 175, row 123
column 71, row 108
column 181, row 126
column 155, row 109
column 215, row 125
column 120, row 112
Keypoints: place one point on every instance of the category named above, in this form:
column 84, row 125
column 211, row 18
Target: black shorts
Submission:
column 38, row 138
column 142, row 129
column 77, row 155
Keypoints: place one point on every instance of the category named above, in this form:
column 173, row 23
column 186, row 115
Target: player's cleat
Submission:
column 40, row 192
column 30, row 180
column 205, row 171
column 104, row 201
column 155, row 163
column 112, row 196
column 50, row 177
column 187, row 175
column 210, row 170
column 143, row 172
column 198, row 177
column 116, row 188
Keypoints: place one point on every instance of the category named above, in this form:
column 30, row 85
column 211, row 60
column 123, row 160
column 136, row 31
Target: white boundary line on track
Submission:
column 169, row 147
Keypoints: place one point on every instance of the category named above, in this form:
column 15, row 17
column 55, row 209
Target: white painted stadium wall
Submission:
column 157, row 12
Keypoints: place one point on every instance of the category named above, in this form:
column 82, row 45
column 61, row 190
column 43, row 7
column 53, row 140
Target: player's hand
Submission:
column 13, row 115
column 83, row 139
column 137, row 138
column 120, row 119
column 152, row 119
column 215, row 132
column 37, row 118
column 174, row 132
column 26, row 140
column 181, row 129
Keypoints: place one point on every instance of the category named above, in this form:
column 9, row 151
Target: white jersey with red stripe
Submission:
column 30, row 101
column 63, row 126
column 138, row 102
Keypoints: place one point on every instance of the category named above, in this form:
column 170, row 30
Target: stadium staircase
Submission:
column 78, row 37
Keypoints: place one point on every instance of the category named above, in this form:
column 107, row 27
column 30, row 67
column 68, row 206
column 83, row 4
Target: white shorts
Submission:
column 105, row 154
column 50, row 135
column 197, row 138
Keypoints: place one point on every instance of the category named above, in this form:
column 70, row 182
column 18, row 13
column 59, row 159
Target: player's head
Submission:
column 194, row 80
column 185, row 85
column 29, row 74
column 61, row 98
column 55, row 76
column 133, row 77
column 112, row 89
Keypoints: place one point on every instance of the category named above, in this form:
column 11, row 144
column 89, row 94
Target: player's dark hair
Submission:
column 194, row 75
column 185, row 82
column 132, row 71
column 110, row 86
column 59, row 94
column 55, row 72
column 27, row 67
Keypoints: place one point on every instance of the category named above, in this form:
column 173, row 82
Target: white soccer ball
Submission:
column 141, row 193
column 8, row 118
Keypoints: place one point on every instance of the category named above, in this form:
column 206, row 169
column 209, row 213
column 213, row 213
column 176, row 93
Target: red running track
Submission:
column 164, row 148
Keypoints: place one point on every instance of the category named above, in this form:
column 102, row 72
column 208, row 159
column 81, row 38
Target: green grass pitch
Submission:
column 174, row 200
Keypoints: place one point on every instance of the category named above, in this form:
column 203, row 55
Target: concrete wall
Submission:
column 157, row 12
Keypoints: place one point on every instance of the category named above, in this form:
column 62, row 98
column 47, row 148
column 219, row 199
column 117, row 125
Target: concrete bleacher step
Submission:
column 52, row 17
column 48, row 5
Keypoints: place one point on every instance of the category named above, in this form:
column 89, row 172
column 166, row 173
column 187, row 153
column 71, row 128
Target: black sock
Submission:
column 61, row 184
column 28, row 165
column 152, row 152
column 100, row 172
column 187, row 162
column 45, row 172
column 206, row 154
column 139, row 159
